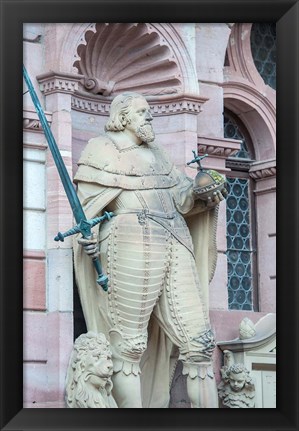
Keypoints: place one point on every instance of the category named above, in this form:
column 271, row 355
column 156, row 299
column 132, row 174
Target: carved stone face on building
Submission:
column 99, row 369
column 139, row 120
column 237, row 381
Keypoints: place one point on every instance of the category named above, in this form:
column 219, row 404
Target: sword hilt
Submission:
column 84, row 227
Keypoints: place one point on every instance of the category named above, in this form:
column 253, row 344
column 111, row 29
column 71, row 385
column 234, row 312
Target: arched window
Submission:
column 241, row 253
column 263, row 49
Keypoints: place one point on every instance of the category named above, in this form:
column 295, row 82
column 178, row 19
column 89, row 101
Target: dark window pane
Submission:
column 245, row 257
column 234, row 282
column 243, row 204
column 240, row 270
column 237, row 190
column 232, row 202
column 238, row 245
column 244, row 230
column 246, row 283
column 241, row 297
column 232, row 229
column 231, row 131
column 238, row 216
column 263, row 49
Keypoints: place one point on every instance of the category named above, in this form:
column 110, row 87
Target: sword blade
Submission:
column 72, row 196
column 65, row 178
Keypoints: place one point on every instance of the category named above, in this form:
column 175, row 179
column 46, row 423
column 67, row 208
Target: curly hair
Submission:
column 120, row 109
column 236, row 369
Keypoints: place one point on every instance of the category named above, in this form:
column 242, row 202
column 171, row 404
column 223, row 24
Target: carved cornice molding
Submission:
column 237, row 164
column 57, row 82
column 176, row 105
column 218, row 147
column 96, row 105
column 263, row 173
column 261, row 170
column 31, row 121
column 265, row 336
column 161, row 105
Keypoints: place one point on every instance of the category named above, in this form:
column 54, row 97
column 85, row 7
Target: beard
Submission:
column 146, row 133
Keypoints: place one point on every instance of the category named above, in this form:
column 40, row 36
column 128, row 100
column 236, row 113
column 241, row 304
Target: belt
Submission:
column 159, row 218
column 147, row 213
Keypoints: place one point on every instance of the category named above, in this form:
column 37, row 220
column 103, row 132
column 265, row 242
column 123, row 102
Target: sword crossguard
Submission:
column 84, row 227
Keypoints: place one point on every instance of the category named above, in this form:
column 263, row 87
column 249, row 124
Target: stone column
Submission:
column 58, row 89
column 211, row 43
column 264, row 174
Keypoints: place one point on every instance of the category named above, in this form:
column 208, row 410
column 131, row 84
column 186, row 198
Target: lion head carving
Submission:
column 88, row 380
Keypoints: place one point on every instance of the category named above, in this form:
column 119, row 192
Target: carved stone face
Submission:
column 237, row 381
column 139, row 120
column 99, row 370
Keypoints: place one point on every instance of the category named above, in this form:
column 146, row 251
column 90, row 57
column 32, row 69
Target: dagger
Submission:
column 83, row 224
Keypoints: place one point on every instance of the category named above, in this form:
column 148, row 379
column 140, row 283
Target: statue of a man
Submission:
column 156, row 309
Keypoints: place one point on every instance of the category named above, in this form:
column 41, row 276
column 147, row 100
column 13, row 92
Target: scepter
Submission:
column 83, row 224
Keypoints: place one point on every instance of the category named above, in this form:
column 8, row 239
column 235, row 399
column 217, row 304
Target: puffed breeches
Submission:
column 151, row 273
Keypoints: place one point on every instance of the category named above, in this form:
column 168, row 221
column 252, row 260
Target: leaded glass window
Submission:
column 238, row 245
column 238, row 234
column 263, row 48
column 231, row 131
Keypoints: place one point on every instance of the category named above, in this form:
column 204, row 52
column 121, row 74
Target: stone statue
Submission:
column 237, row 389
column 159, row 252
column 88, row 382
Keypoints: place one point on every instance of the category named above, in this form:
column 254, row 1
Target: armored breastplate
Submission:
column 156, row 206
column 159, row 202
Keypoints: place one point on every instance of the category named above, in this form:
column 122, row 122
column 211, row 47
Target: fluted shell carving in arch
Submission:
column 118, row 57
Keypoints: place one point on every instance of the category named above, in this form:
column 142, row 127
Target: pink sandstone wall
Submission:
column 189, row 117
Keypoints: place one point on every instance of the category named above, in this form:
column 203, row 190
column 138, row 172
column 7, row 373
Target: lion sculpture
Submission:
column 88, row 380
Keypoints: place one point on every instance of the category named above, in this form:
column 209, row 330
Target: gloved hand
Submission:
column 90, row 245
column 216, row 197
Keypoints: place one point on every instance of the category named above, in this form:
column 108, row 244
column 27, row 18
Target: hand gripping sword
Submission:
column 83, row 225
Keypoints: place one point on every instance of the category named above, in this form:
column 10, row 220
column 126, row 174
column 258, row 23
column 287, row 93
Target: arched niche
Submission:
column 256, row 113
column 148, row 57
column 246, row 94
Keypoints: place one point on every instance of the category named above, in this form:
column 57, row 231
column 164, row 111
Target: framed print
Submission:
column 220, row 97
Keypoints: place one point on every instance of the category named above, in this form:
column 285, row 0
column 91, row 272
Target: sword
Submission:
column 83, row 225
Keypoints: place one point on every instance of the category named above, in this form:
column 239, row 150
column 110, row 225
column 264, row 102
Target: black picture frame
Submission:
column 16, row 12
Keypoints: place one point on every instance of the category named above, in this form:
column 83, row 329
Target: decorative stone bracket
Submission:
column 218, row 147
column 264, row 169
column 57, row 82
column 31, row 121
